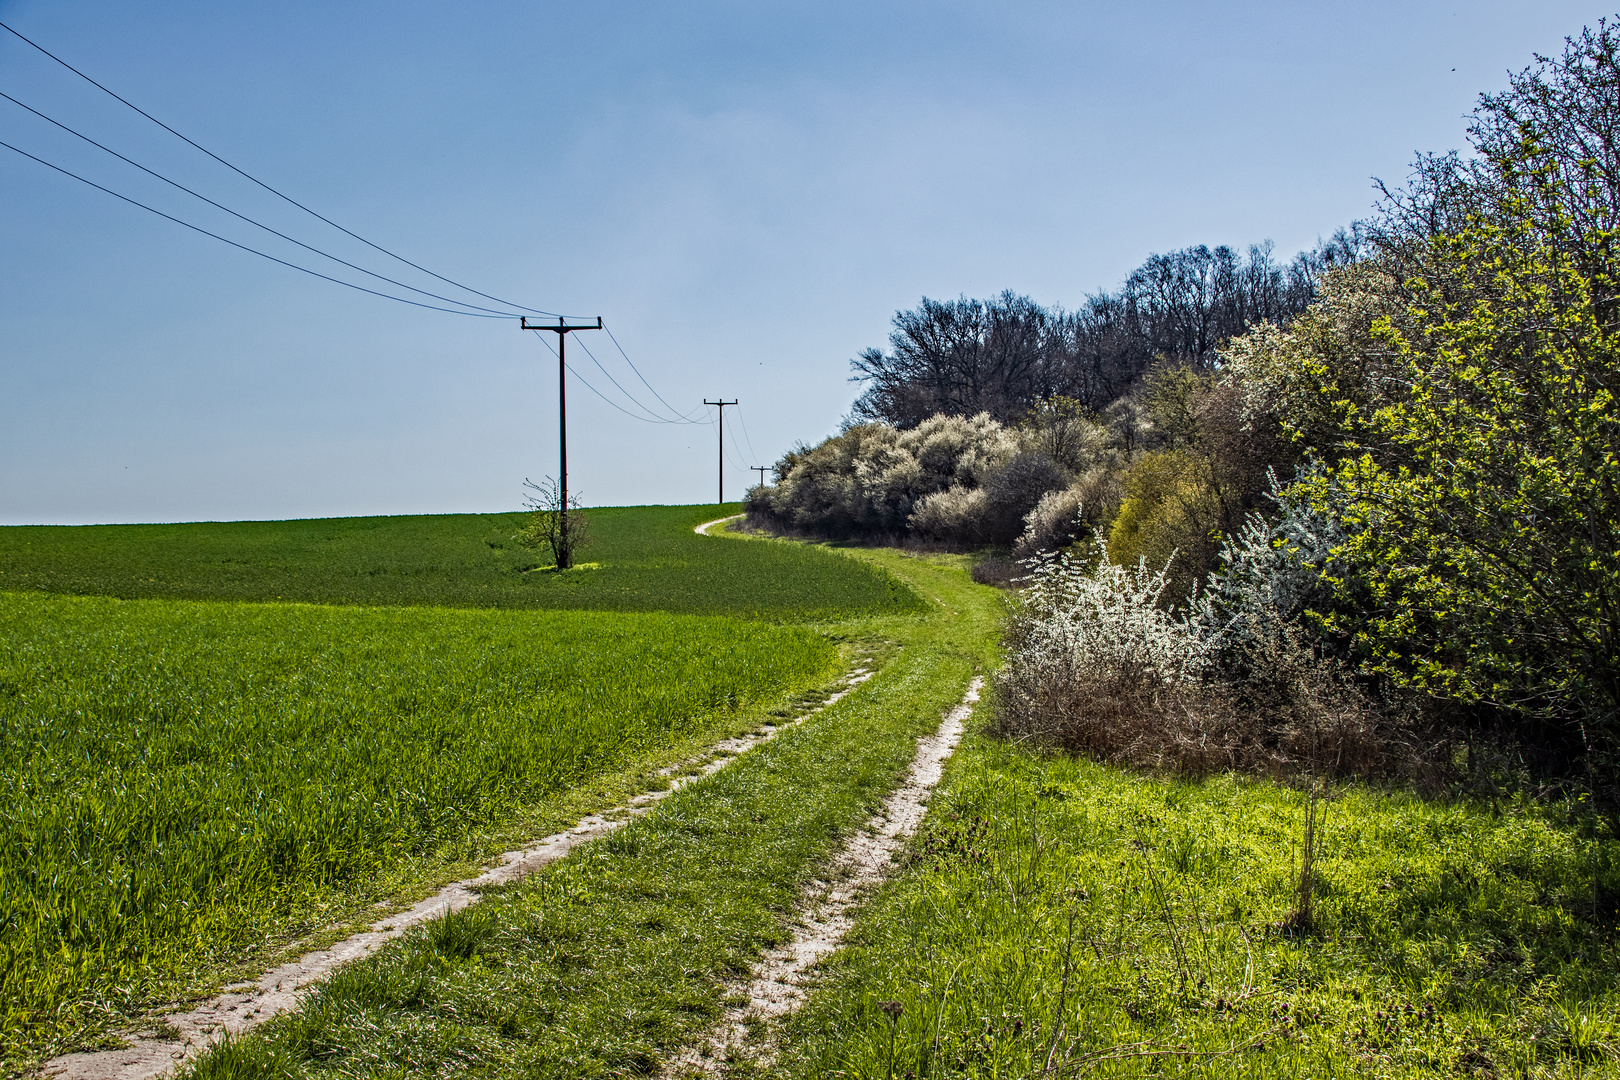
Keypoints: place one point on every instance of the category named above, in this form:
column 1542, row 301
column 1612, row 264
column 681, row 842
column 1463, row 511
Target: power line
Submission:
column 643, row 378
column 741, row 459
column 631, row 397
column 265, row 186
column 737, row 447
column 575, row 373
column 244, row 217
column 244, row 247
column 751, row 451
column 733, row 454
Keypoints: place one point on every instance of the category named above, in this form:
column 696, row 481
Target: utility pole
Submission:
column 761, row 470
column 721, row 430
column 565, row 548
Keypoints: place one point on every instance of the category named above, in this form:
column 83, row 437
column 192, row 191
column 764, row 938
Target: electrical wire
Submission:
column 737, row 446
column 752, row 452
column 628, row 395
column 267, row 187
column 552, row 349
column 244, row 247
column 720, row 422
column 244, row 217
column 643, row 378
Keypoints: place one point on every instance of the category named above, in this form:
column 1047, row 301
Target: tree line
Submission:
column 1006, row 355
column 1386, row 471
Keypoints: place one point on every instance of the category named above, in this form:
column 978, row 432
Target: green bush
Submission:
column 1168, row 516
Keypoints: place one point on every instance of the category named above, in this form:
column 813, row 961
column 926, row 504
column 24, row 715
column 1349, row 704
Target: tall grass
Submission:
column 648, row 559
column 1062, row 918
column 180, row 781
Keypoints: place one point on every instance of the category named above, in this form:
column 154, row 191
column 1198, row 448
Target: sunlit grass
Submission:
column 1058, row 912
column 647, row 559
column 182, row 781
column 604, row 963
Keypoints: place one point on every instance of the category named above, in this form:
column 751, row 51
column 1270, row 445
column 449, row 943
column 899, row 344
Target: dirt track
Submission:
column 827, row 911
column 244, row 1007
column 703, row 529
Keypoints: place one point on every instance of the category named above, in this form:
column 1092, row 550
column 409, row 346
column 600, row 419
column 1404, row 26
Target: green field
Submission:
column 187, row 784
column 1122, row 925
column 648, row 559
column 192, row 783
column 603, row 964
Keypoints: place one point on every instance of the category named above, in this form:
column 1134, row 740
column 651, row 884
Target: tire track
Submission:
column 183, row 1036
column 828, row 909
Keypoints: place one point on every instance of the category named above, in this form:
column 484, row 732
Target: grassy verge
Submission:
column 1057, row 912
column 647, row 559
column 184, row 786
column 605, row 962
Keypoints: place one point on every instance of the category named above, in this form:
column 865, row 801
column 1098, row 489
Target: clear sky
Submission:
column 746, row 192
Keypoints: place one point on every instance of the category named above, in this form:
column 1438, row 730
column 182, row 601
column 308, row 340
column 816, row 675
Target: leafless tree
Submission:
column 1006, row 354
column 551, row 525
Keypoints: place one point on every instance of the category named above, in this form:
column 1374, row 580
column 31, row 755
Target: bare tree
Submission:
column 551, row 524
column 960, row 357
column 1007, row 354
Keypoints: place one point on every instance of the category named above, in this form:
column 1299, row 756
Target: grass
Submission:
column 1056, row 912
column 183, row 784
column 1054, row 917
column 603, row 964
column 646, row 559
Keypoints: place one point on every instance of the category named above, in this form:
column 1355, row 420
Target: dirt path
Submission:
column 243, row 1007
column 827, row 912
column 703, row 529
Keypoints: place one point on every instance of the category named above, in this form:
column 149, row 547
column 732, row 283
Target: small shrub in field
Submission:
column 556, row 522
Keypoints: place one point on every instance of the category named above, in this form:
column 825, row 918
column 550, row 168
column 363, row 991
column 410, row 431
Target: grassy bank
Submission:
column 1055, row 912
column 647, row 559
column 183, row 784
column 606, row 962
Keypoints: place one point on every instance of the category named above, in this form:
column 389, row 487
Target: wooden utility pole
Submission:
column 721, row 431
column 761, row 470
column 565, row 547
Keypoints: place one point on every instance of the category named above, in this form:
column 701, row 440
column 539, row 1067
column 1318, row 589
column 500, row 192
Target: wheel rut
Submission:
column 778, row 983
column 185, row 1034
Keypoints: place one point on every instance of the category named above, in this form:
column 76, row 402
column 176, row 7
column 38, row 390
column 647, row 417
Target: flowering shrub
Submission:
column 1095, row 664
column 1273, row 569
column 871, row 479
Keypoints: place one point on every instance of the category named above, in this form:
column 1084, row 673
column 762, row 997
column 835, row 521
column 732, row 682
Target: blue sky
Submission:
column 745, row 192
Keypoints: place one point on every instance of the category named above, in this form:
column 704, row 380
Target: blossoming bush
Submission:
column 1096, row 665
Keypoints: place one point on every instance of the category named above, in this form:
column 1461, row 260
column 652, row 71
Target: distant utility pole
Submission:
column 761, row 470
column 721, row 430
column 565, row 546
